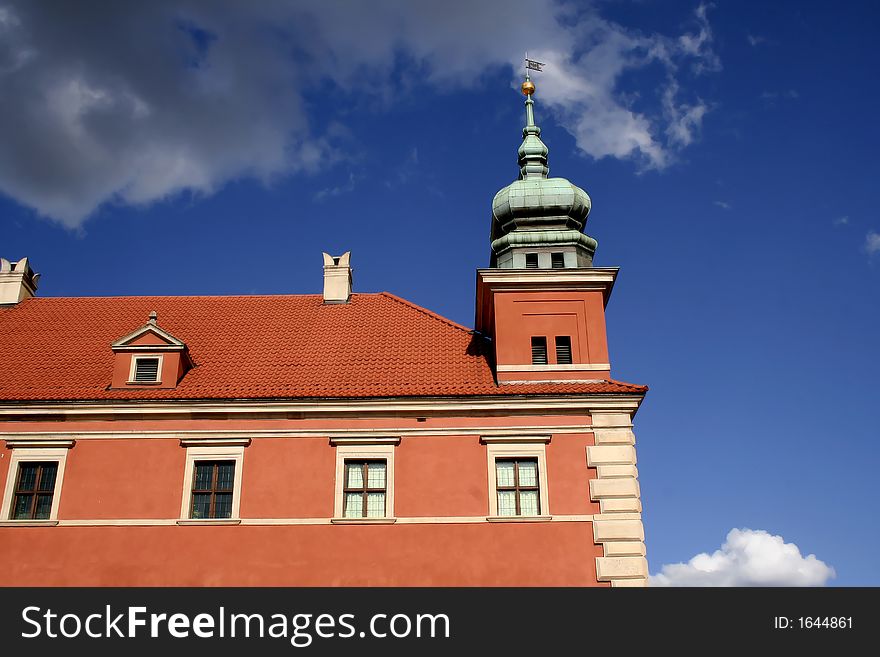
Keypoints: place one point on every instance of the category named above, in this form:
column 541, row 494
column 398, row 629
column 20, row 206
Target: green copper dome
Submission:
column 541, row 203
column 539, row 213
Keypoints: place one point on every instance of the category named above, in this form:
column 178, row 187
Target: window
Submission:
column 34, row 481
column 34, row 490
column 563, row 350
column 539, row 350
column 212, row 480
column 557, row 260
column 531, row 260
column 365, row 485
column 212, row 489
column 517, row 487
column 145, row 369
column 517, row 466
column 364, row 479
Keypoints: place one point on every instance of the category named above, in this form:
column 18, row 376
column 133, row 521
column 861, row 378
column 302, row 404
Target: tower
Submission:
column 542, row 305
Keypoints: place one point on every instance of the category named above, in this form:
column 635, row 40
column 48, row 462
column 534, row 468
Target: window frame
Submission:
column 133, row 369
column 540, row 341
column 556, row 345
column 211, row 453
column 213, row 491
column 364, row 490
column 517, row 487
column 505, row 448
column 34, row 455
column 363, row 449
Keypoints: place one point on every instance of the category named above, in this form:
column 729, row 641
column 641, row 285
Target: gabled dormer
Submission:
column 149, row 357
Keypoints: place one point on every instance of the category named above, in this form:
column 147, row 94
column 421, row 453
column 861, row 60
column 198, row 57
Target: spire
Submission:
column 532, row 152
column 538, row 221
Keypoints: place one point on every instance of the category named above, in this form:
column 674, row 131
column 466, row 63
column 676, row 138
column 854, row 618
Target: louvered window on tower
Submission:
column 563, row 350
column 557, row 260
column 146, row 370
column 531, row 260
column 539, row 350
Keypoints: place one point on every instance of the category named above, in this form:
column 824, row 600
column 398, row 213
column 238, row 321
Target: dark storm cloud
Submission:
column 130, row 102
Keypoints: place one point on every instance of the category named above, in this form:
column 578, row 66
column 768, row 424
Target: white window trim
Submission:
column 212, row 453
column 360, row 452
column 517, row 448
column 133, row 368
column 31, row 454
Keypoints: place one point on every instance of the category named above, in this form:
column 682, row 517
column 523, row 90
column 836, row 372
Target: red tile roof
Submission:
column 254, row 347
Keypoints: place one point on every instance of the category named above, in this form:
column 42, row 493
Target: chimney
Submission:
column 337, row 278
column 17, row 281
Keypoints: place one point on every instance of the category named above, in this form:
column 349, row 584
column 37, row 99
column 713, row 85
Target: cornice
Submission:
column 521, row 404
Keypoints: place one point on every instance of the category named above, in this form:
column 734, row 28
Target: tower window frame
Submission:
column 564, row 354
column 539, row 350
column 557, row 260
column 531, row 260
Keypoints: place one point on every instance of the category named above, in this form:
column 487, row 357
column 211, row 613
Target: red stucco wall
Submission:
column 521, row 315
column 294, row 478
column 514, row 554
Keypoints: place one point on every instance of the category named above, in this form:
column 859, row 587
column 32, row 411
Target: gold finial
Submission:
column 528, row 87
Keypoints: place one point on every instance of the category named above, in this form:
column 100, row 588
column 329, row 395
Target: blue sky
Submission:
column 729, row 150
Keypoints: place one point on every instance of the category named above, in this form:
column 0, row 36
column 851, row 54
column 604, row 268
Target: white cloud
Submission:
column 131, row 104
column 724, row 205
column 405, row 172
column 748, row 558
column 336, row 190
column 755, row 40
column 684, row 120
column 841, row 221
column 872, row 242
column 699, row 45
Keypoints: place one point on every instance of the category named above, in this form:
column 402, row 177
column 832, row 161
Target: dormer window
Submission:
column 149, row 357
column 145, row 369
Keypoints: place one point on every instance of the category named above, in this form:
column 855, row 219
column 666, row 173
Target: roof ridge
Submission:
column 427, row 312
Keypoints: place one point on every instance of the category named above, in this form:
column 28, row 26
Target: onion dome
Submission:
column 537, row 214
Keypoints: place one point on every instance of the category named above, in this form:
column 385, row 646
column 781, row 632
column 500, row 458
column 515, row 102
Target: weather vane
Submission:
column 528, row 87
column 533, row 64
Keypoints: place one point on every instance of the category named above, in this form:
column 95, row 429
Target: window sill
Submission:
column 519, row 518
column 143, row 383
column 28, row 523
column 363, row 521
column 191, row 522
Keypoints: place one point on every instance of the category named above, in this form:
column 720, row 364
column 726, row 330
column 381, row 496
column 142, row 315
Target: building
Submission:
column 333, row 439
